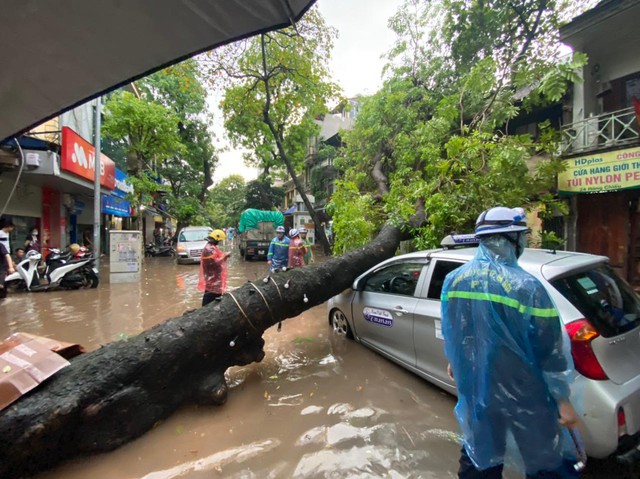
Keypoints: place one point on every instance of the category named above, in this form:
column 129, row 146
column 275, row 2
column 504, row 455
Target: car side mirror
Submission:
column 358, row 285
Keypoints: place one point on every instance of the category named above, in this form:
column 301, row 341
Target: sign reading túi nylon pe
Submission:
column 608, row 171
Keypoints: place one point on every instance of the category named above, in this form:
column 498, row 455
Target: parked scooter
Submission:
column 164, row 250
column 61, row 271
column 26, row 272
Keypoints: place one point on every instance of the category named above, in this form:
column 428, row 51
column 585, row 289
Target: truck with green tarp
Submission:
column 257, row 228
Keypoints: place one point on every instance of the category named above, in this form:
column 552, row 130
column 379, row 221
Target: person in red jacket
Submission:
column 297, row 249
column 213, row 268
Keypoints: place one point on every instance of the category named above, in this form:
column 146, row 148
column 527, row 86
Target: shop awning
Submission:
column 57, row 55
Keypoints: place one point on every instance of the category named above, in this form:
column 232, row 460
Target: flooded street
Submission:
column 317, row 406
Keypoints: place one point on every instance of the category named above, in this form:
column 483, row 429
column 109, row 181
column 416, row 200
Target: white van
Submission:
column 191, row 241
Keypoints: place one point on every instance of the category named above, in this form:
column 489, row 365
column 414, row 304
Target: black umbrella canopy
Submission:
column 55, row 55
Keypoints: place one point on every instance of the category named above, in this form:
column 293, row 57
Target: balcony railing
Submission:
column 607, row 130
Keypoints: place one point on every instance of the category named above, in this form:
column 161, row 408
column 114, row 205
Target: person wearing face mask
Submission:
column 32, row 243
column 503, row 340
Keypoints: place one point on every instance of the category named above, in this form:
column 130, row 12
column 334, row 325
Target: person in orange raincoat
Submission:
column 297, row 249
column 213, row 268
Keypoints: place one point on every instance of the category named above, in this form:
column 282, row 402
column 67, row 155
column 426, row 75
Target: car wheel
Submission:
column 340, row 324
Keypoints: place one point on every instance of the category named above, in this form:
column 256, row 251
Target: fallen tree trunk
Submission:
column 114, row 394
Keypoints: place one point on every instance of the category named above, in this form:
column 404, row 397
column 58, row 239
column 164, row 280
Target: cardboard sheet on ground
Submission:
column 27, row 360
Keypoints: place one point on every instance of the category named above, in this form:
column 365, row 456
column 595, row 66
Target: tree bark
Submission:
column 114, row 394
column 324, row 241
column 379, row 177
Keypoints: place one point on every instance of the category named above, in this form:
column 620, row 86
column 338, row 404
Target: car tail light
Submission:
column 622, row 423
column 581, row 334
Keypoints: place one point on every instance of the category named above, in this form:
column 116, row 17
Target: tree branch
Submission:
column 378, row 176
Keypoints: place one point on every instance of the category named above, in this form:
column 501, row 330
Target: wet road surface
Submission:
column 317, row 406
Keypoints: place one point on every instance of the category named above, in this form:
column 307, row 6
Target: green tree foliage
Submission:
column 165, row 129
column 261, row 195
column 149, row 128
column 227, row 201
column 435, row 138
column 276, row 84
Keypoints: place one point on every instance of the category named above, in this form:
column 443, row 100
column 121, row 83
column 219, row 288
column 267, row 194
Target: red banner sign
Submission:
column 78, row 157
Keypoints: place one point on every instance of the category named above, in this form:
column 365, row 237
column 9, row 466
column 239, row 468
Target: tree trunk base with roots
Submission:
column 115, row 394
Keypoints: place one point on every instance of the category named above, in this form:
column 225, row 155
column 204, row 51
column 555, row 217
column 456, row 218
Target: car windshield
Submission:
column 193, row 235
column 603, row 298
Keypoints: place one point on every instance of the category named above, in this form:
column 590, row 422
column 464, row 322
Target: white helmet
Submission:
column 293, row 233
column 302, row 229
column 280, row 229
column 501, row 220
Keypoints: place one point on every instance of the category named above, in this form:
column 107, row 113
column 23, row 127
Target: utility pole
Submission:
column 97, row 197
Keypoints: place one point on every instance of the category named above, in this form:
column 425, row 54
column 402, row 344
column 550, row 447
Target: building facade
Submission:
column 54, row 190
column 601, row 142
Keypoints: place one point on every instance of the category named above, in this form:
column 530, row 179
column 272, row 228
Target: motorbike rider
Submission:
column 297, row 249
column 278, row 255
column 503, row 339
column 213, row 268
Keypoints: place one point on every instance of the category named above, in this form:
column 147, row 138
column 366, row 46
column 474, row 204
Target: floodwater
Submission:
column 317, row 406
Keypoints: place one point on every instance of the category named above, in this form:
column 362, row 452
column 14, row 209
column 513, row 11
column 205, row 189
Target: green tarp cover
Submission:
column 250, row 218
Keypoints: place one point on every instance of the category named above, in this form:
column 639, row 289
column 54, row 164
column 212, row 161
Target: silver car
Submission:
column 394, row 308
column 191, row 241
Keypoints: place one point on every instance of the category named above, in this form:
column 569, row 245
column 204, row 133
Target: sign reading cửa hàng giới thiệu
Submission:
column 608, row 171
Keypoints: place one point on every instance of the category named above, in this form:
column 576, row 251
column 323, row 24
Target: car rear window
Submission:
column 193, row 235
column 603, row 298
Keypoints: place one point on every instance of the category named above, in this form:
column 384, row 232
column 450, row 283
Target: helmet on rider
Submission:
column 217, row 235
column 293, row 233
column 302, row 230
column 280, row 229
column 510, row 223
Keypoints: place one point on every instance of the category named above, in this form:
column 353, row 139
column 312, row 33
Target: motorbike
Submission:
column 154, row 250
column 26, row 272
column 62, row 270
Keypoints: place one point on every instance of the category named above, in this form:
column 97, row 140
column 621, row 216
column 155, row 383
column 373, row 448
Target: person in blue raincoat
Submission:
column 278, row 255
column 504, row 343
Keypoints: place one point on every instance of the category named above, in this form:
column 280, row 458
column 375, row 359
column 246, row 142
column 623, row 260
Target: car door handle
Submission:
column 401, row 310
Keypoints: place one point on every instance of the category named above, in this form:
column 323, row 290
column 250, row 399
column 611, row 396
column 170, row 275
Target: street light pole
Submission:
column 96, row 185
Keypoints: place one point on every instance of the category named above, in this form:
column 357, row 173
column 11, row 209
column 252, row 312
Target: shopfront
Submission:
column 115, row 208
column 77, row 157
column 604, row 191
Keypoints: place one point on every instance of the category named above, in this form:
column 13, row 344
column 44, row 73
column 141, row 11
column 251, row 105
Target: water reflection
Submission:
column 317, row 406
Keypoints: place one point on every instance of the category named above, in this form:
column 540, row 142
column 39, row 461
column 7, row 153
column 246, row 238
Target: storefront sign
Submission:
column 609, row 171
column 113, row 205
column 78, row 157
column 123, row 187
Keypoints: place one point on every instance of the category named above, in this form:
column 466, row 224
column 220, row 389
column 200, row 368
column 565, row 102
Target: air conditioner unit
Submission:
column 8, row 160
column 32, row 159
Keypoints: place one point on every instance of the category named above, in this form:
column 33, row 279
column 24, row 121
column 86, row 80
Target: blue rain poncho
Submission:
column 504, row 341
column 278, row 253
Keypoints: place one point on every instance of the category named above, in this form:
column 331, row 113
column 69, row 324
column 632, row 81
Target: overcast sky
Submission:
column 363, row 37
